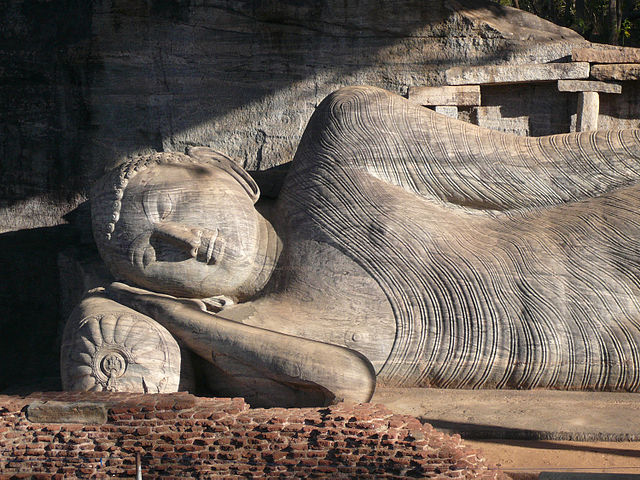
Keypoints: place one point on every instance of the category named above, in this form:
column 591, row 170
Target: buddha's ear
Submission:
column 229, row 166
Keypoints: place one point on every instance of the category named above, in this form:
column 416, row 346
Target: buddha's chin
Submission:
column 192, row 277
column 196, row 280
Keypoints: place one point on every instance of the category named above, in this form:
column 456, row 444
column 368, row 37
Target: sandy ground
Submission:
column 542, row 422
column 523, row 458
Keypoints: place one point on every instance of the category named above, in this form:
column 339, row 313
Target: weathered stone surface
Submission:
column 499, row 74
column 616, row 71
column 66, row 412
column 109, row 347
column 525, row 415
column 490, row 116
column 43, row 93
column 105, row 81
column 271, row 368
column 449, row 111
column 467, row 95
column 588, row 86
column 606, row 55
column 331, row 321
column 133, row 78
column 620, row 111
column 526, row 109
column 173, row 246
column 248, row 90
column 81, row 269
column 452, row 159
column 588, row 110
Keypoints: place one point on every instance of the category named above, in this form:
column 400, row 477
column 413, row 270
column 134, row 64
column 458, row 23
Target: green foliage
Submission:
column 602, row 21
column 625, row 31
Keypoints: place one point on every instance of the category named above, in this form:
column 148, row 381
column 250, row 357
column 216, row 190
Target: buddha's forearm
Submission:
column 283, row 358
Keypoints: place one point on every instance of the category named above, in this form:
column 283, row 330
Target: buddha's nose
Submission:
column 181, row 236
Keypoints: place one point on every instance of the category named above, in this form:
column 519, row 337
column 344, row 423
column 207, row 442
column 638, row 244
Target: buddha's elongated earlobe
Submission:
column 229, row 166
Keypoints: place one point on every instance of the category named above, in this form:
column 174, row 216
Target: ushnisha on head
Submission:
column 184, row 225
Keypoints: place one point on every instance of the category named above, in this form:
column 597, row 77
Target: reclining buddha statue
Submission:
column 405, row 248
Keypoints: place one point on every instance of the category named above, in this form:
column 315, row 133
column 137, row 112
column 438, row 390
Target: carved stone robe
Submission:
column 504, row 261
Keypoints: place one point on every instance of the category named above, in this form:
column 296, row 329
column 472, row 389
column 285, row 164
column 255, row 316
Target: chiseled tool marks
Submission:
column 518, row 267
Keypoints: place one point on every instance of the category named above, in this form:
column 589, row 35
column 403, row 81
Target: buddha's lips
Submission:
column 206, row 251
column 206, row 248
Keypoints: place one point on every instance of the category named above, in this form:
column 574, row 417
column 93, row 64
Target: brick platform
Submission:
column 183, row 436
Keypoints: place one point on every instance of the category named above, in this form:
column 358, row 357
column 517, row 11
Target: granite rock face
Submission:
column 406, row 248
column 606, row 54
column 466, row 95
column 588, row 86
column 130, row 78
column 86, row 85
column 499, row 74
column 616, row 71
column 245, row 80
column 507, row 261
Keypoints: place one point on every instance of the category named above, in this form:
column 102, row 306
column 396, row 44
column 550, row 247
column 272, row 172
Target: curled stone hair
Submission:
column 107, row 193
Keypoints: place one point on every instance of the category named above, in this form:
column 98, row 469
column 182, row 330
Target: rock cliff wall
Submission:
column 86, row 84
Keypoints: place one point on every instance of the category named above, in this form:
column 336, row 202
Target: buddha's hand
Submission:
column 335, row 373
column 147, row 302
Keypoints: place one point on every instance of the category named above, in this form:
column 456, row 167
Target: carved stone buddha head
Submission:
column 184, row 225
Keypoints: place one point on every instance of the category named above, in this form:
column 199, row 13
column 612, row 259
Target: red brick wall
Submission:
column 183, row 436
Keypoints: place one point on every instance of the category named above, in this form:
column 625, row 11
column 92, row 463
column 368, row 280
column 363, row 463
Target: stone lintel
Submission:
column 500, row 74
column 588, row 86
column 459, row 96
column 67, row 412
column 616, row 71
column 608, row 55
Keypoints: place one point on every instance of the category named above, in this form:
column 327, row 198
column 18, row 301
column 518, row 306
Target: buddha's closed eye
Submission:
column 158, row 205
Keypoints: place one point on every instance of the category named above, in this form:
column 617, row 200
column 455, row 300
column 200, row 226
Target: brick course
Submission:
column 183, row 436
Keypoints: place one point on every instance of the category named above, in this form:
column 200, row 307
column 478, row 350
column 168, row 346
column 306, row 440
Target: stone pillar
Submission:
column 588, row 109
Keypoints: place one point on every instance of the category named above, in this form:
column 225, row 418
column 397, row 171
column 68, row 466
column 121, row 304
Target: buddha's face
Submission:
column 187, row 230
